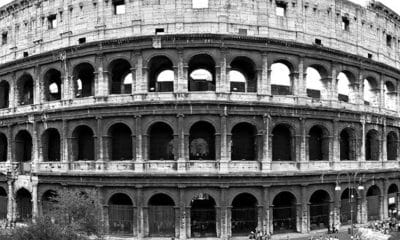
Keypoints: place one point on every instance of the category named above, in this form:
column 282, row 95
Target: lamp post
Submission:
column 351, row 196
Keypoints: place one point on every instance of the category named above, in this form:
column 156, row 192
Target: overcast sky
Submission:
column 393, row 4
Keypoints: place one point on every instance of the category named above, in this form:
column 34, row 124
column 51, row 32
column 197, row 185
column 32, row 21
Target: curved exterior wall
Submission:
column 213, row 32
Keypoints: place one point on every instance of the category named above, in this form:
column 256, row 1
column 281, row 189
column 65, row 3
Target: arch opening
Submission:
column 51, row 145
column 373, row 203
column 390, row 95
column 202, row 141
column 24, row 205
column 52, row 85
column 318, row 144
column 319, row 210
column 347, row 144
column 161, row 141
column 83, row 143
column 3, row 203
column 281, row 143
column 244, row 214
column 393, row 201
column 370, row 92
column 120, row 70
column 83, row 76
column 281, row 79
column 243, row 142
column 25, row 89
column 284, row 213
column 3, row 147
column 23, row 146
column 243, row 76
column 391, row 146
column 372, row 150
column 120, row 146
column 4, row 94
column 161, row 216
column 349, row 206
column 203, row 216
column 161, row 74
column 201, row 73
column 48, row 202
column 120, row 216
column 314, row 83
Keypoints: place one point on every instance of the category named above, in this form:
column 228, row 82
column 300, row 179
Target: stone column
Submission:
column 101, row 83
column 299, row 80
column 303, row 210
column 222, row 82
column 139, row 144
column 140, row 212
column 224, row 221
column 35, row 208
column 183, row 213
column 13, row 92
column 38, row 94
column 224, row 161
column 336, row 208
column 363, row 209
column 360, row 101
column 301, row 155
column 65, row 158
column 381, row 92
column 383, row 153
column 363, row 134
column 181, row 143
column 385, row 202
column 264, row 88
column 266, row 150
column 334, row 152
column 99, row 156
column 333, row 88
column 182, row 81
column 10, row 202
column 35, row 147
column 267, row 216
column 139, row 88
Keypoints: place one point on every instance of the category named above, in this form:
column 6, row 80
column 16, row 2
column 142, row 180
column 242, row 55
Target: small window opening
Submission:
column 281, row 9
column 200, row 3
column 369, row 55
column 52, row 21
column 4, row 38
column 82, row 40
column 159, row 31
column 318, row 41
column 26, row 54
column 242, row 31
column 119, row 7
column 389, row 40
column 345, row 24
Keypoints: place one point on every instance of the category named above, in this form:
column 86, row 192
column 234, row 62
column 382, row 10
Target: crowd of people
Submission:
column 385, row 226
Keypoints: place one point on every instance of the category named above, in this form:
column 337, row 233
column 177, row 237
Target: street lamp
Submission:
column 351, row 196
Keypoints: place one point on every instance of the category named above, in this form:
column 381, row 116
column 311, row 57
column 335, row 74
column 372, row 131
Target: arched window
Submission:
column 161, row 141
column 201, row 73
column 3, row 203
column 244, row 214
column 319, row 210
column 4, row 94
column 25, row 89
column 51, row 145
column 202, row 141
column 120, row 214
column 23, row 146
column 203, row 216
column 120, row 146
column 343, row 87
column 284, row 216
column 120, row 69
column 161, row 74
column 347, row 144
column 391, row 146
column 281, row 82
column 393, row 201
column 348, row 206
column 372, row 149
column 83, row 76
column 48, row 202
column 24, row 205
column 390, row 96
column 243, row 142
column 3, row 147
column 373, row 203
column 370, row 92
column 52, row 85
column 314, row 82
column 243, row 76
column 161, row 216
column 318, row 144
column 281, row 143
column 83, row 143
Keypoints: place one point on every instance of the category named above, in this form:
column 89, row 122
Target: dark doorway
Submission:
column 202, row 141
column 318, row 144
column 161, row 216
column 52, row 89
column 319, row 210
column 4, row 94
column 83, row 143
column 120, row 214
column 281, row 143
column 121, row 142
column 284, row 213
column 243, row 142
column 48, row 202
column 84, row 80
column 348, row 206
column 3, row 203
column 24, row 205
column 203, row 216
column 161, row 140
column 3, row 148
column 372, row 150
column 23, row 146
column 119, row 70
column 392, row 144
column 373, row 203
column 51, row 145
column 244, row 214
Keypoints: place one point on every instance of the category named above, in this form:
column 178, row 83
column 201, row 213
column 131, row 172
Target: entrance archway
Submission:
column 3, row 203
column 244, row 214
column 348, row 206
column 203, row 216
column 319, row 210
column 24, row 205
column 392, row 201
column 48, row 201
column 284, row 213
column 161, row 216
column 120, row 214
column 373, row 203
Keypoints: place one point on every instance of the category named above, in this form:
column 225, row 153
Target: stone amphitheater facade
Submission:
column 196, row 119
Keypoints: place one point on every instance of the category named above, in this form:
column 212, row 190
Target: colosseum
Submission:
column 202, row 118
